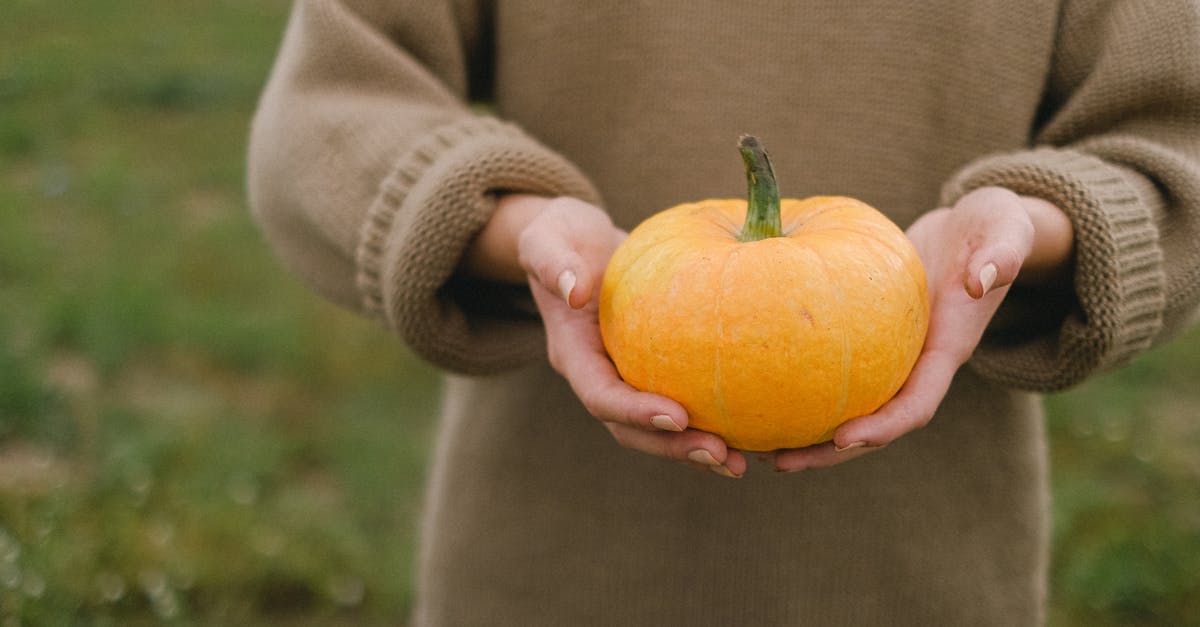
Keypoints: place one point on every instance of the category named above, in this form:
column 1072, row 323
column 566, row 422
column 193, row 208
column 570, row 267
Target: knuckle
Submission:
column 605, row 397
column 679, row 445
column 599, row 401
column 1008, row 259
column 537, row 253
column 678, row 448
column 922, row 419
column 992, row 196
column 555, row 358
column 637, row 412
column 592, row 404
column 620, row 436
column 529, row 238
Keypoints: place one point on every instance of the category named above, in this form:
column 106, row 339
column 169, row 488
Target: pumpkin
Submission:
column 771, row 321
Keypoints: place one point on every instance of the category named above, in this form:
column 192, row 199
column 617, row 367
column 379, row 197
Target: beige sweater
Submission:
column 370, row 172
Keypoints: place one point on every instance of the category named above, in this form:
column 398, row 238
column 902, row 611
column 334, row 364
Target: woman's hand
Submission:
column 561, row 246
column 972, row 253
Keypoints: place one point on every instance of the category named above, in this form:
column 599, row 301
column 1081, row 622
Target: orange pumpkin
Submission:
column 772, row 322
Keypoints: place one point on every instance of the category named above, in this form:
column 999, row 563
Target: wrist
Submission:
column 1052, row 256
column 493, row 254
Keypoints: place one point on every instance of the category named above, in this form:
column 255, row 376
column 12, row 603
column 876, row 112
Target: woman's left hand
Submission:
column 972, row 254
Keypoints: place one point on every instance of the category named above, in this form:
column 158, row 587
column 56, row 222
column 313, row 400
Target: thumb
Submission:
column 1000, row 235
column 557, row 266
column 995, row 265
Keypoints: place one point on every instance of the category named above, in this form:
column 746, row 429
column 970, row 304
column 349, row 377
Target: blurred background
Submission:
column 187, row 436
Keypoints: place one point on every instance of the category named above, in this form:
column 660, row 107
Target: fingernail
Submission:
column 566, row 283
column 701, row 456
column 665, row 423
column 724, row 472
column 839, row 449
column 987, row 277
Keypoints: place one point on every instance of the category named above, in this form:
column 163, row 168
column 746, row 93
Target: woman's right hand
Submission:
column 561, row 246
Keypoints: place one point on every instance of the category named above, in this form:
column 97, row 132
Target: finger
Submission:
column 992, row 269
column 617, row 402
column 996, row 261
column 550, row 250
column 694, row 448
column 576, row 352
column 614, row 401
column 735, row 461
column 912, row 408
column 818, row 456
column 552, row 262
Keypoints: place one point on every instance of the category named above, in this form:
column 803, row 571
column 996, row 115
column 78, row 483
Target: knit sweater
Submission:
column 371, row 170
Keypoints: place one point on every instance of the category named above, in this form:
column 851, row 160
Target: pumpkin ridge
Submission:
column 869, row 235
column 725, row 221
column 718, row 395
column 840, row 295
column 798, row 219
column 626, row 264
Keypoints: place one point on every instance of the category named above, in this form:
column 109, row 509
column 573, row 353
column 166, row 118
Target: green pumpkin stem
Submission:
column 762, row 212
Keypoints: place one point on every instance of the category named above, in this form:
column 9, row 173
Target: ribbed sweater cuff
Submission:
column 438, row 196
column 1119, row 276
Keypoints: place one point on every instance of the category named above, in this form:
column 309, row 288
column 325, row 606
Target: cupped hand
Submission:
column 563, row 246
column 972, row 253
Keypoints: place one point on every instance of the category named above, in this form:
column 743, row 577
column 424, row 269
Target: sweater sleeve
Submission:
column 1118, row 149
column 369, row 173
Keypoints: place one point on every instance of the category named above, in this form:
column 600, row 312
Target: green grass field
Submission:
column 187, row 436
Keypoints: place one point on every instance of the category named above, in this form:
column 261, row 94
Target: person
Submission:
column 1043, row 156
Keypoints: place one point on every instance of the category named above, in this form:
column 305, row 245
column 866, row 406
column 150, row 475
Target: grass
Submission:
column 1126, row 482
column 187, row 436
